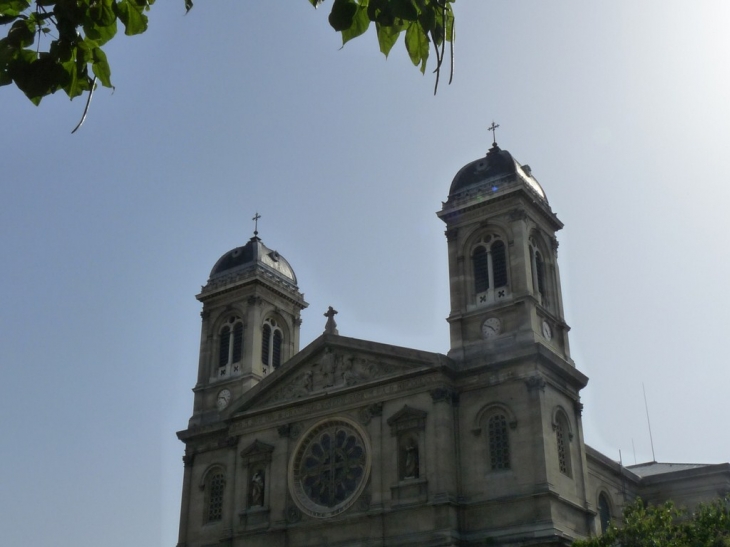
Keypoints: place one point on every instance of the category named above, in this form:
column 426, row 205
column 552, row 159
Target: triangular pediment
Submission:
column 335, row 363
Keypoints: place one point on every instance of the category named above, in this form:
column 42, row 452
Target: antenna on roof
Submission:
column 634, row 447
column 651, row 439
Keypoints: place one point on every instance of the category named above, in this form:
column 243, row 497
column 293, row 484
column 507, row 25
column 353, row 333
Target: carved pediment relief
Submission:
column 257, row 452
column 332, row 371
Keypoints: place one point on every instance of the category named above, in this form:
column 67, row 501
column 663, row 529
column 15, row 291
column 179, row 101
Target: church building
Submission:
column 351, row 442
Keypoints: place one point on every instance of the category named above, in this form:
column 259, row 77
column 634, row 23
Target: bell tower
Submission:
column 510, row 340
column 251, row 319
column 503, row 270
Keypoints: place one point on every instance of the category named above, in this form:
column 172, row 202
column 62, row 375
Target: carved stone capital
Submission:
column 366, row 414
column 517, row 214
column 451, row 234
column 444, row 395
column 254, row 300
column 578, row 406
column 535, row 383
column 188, row 460
column 227, row 441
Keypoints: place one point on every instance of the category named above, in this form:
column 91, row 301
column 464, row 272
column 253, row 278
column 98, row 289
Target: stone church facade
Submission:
column 351, row 442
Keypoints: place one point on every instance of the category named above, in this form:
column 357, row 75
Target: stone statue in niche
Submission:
column 257, row 489
column 410, row 460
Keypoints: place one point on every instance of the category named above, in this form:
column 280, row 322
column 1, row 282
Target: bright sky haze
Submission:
column 620, row 108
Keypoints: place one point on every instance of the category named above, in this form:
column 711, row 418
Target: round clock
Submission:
column 491, row 327
column 224, row 397
column 547, row 332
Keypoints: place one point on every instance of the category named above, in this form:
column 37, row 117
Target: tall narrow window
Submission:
column 499, row 264
column 224, row 347
column 271, row 345
column 215, row 489
column 540, row 269
column 230, row 349
column 498, row 442
column 561, row 437
column 237, row 342
column 604, row 512
column 276, row 350
column 481, row 269
column 266, row 344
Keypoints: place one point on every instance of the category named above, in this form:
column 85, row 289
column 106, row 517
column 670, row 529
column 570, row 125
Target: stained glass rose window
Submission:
column 330, row 467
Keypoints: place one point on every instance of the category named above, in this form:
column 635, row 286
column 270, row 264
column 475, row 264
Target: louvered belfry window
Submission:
column 266, row 344
column 499, row 264
column 237, row 342
column 481, row 269
column 276, row 350
column 540, row 267
column 498, row 442
column 224, row 347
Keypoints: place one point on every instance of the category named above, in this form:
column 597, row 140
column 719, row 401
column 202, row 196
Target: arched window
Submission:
column 539, row 272
column 489, row 262
column 562, row 438
column 230, row 349
column 214, row 489
column 604, row 512
column 498, row 442
column 271, row 345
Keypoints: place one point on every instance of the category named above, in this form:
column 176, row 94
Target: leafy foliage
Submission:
column 424, row 22
column 56, row 45
column 666, row 526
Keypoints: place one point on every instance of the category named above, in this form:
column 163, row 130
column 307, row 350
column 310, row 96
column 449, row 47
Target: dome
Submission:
column 253, row 254
column 499, row 170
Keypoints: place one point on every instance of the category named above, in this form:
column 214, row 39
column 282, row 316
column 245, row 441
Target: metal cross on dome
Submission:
column 493, row 129
column 256, row 218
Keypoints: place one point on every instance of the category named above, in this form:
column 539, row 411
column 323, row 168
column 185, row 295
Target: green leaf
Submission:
column 342, row 14
column 101, row 35
column 404, row 9
column 387, row 37
column 316, row 3
column 13, row 8
column 102, row 13
column 417, row 45
column 100, row 66
column 130, row 14
column 360, row 23
column 380, row 11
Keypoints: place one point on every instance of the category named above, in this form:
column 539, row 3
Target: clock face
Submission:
column 224, row 398
column 547, row 332
column 491, row 327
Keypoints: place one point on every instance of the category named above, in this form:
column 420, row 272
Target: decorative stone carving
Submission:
column 256, row 489
column 406, row 419
column 188, row 460
column 535, row 382
column 227, row 441
column 254, row 300
column 257, row 452
column 451, row 234
column 366, row 414
column 578, row 406
column 332, row 371
column 517, row 214
column 444, row 395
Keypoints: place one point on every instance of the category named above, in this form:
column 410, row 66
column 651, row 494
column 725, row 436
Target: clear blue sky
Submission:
column 620, row 108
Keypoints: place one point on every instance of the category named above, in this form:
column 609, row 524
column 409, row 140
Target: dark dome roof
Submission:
column 497, row 166
column 252, row 254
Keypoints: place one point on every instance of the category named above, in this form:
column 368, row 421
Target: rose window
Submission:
column 330, row 467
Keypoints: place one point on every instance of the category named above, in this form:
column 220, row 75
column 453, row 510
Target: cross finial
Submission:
column 256, row 218
column 493, row 129
column 331, row 326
